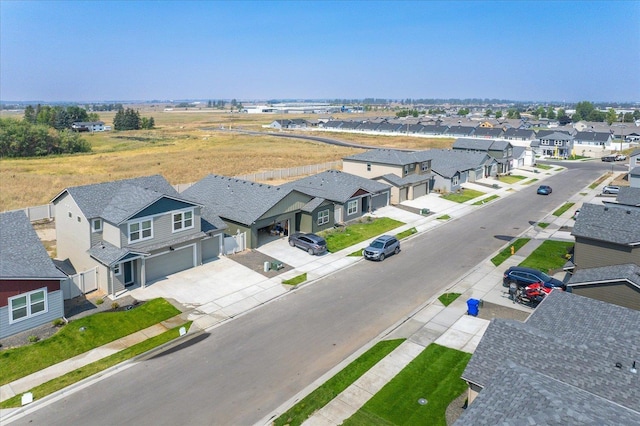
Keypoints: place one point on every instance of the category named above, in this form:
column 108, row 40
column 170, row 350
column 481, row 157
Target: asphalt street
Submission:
column 244, row 369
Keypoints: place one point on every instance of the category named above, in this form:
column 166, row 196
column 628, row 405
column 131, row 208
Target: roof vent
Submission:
column 606, row 209
column 618, row 365
column 633, row 368
column 628, row 211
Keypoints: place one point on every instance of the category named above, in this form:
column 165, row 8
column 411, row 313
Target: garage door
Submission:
column 168, row 263
column 379, row 200
column 210, row 248
column 419, row 190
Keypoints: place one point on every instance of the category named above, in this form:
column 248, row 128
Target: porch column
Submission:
column 143, row 274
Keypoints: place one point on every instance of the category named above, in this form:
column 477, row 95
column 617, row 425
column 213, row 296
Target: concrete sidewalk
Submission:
column 208, row 306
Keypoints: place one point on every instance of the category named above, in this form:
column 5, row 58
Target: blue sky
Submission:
column 129, row 50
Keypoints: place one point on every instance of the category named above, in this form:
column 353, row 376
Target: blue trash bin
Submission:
column 473, row 307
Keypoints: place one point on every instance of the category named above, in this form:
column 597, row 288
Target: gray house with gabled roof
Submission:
column 408, row 173
column 617, row 284
column 488, row 132
column 460, row 131
column 452, row 168
column 246, row 206
column 628, row 197
column 501, row 150
column 555, row 144
column 346, row 196
column 133, row 231
column 523, row 135
column 571, row 362
column 606, row 236
column 30, row 284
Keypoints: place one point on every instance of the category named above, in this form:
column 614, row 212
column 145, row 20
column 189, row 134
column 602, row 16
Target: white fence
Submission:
column 235, row 243
column 79, row 284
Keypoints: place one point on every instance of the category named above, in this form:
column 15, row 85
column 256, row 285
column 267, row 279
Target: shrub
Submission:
column 115, row 305
column 33, row 339
column 58, row 322
column 99, row 301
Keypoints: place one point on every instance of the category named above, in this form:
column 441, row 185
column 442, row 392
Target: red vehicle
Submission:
column 532, row 294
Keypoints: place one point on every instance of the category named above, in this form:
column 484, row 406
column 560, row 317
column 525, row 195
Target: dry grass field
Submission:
column 184, row 147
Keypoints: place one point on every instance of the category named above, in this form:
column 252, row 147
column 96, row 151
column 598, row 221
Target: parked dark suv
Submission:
column 381, row 247
column 525, row 276
column 312, row 243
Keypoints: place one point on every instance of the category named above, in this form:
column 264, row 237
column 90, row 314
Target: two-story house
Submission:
column 556, row 144
column 134, row 231
column 501, row 150
column 408, row 173
column 30, row 284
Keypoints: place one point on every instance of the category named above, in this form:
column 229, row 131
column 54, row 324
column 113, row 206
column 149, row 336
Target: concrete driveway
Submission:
column 221, row 287
column 293, row 256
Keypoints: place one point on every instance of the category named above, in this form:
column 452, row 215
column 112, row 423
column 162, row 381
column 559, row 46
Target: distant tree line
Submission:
column 219, row 104
column 104, row 107
column 21, row 138
column 58, row 117
column 129, row 119
column 408, row 112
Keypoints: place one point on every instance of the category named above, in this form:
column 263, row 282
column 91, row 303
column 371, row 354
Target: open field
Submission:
column 181, row 151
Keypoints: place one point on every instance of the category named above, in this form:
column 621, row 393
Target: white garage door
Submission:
column 168, row 263
column 419, row 190
column 210, row 248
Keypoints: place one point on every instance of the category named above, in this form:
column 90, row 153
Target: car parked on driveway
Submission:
column 523, row 277
column 312, row 243
column 610, row 189
column 544, row 190
column 621, row 157
column 382, row 247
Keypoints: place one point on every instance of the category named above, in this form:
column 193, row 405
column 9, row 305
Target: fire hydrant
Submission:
column 513, row 251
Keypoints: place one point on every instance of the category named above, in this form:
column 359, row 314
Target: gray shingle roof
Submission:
column 517, row 395
column 610, row 224
column 391, row 156
column 480, row 144
column 234, row 199
column 447, row 163
column 629, row 272
column 556, row 136
column 592, row 136
column 109, row 255
column 519, row 133
column 116, row 201
column 411, row 179
column 518, row 151
column 22, row 255
column 313, row 204
column 335, row 185
column 635, row 171
column 570, row 339
column 628, row 196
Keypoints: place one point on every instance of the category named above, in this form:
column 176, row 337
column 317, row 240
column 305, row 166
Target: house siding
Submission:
column 621, row 294
column 73, row 236
column 162, row 230
column 594, row 254
column 377, row 169
column 55, row 309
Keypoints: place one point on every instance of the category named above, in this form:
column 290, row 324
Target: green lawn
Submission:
column 543, row 224
column 544, row 167
column 320, row 397
column 434, row 375
column 599, row 181
column 447, row 298
column 444, row 217
column 99, row 329
column 550, row 255
column 529, row 182
column 90, row 369
column 338, row 239
column 564, row 208
column 486, row 200
column 511, row 178
column 506, row 252
column 464, row 196
column 296, row 280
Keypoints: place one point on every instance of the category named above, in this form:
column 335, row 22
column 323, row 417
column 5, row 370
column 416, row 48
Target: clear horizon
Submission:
column 525, row 51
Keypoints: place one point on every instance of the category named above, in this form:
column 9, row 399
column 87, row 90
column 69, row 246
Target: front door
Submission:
column 128, row 273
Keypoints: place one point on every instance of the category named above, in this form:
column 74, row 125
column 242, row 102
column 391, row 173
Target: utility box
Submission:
column 276, row 266
column 267, row 266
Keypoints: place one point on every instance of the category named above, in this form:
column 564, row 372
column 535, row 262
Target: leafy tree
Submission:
column 583, row 109
column 597, row 116
column 488, row 113
column 563, row 118
column 611, row 116
column 540, row 112
column 513, row 113
column 498, row 114
column 463, row 111
column 628, row 117
column 636, row 114
column 551, row 114
column 30, row 114
column 20, row 138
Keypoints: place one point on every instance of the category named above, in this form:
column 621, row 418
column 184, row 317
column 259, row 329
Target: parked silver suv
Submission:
column 382, row 247
column 610, row 189
column 312, row 243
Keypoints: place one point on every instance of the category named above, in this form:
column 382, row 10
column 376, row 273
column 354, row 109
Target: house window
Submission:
column 139, row 231
column 455, row 180
column 558, row 143
column 27, row 305
column 406, row 169
column 368, row 167
column 352, row 207
column 116, row 269
column 425, row 166
column 79, row 219
column 96, row 225
column 70, row 215
column 182, row 220
column 323, row 217
column 544, row 142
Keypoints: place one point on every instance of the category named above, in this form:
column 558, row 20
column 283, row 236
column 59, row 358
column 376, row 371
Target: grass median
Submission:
column 320, row 397
column 506, row 252
column 80, row 336
column 89, row 370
